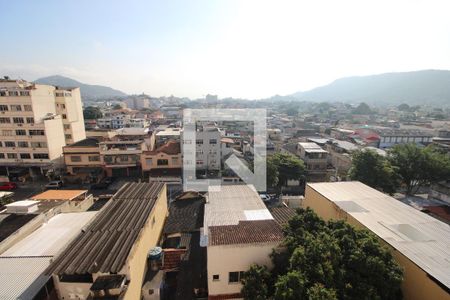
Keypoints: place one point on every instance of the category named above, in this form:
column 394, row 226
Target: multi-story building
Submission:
column 208, row 148
column 36, row 122
column 122, row 158
column 83, row 159
column 138, row 102
column 164, row 161
column 417, row 241
column 316, row 160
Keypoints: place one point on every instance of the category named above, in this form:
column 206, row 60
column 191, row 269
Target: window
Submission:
column 22, row 144
column 36, row 132
column 40, row 155
column 5, row 120
column 68, row 136
column 108, row 159
column 21, row 132
column 59, row 94
column 27, row 107
column 3, row 107
column 149, row 161
column 12, row 155
column 123, row 157
column 216, row 277
column 66, row 126
column 212, row 141
column 38, row 144
column 174, row 160
column 187, row 142
column 94, row 158
column 18, row 120
column 7, row 132
column 2, row 93
column 13, row 93
column 2, row 155
column 64, row 116
column 10, row 144
column 162, row 162
column 30, row 120
column 16, row 107
column 75, row 158
column 25, row 156
column 199, row 142
column 63, row 105
column 235, row 277
column 24, row 93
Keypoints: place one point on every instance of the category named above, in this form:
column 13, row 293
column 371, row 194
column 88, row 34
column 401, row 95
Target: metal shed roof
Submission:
column 421, row 238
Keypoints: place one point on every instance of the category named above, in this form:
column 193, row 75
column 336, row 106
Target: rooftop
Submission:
column 184, row 216
column 170, row 148
column 282, row 214
column 420, row 237
column 9, row 223
column 311, row 147
column 105, row 244
column 66, row 195
column 52, row 236
column 88, row 142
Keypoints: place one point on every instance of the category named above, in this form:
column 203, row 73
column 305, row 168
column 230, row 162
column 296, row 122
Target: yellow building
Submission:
column 36, row 122
column 83, row 158
column 418, row 242
column 109, row 258
column 164, row 161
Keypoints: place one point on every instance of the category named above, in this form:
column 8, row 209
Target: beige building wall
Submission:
column 234, row 258
column 150, row 161
column 86, row 154
column 136, row 266
column 69, row 105
column 417, row 285
column 54, row 134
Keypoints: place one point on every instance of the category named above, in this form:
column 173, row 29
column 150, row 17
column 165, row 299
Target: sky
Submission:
column 242, row 49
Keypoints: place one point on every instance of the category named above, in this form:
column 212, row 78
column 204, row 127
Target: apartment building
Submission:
column 108, row 259
column 163, row 161
column 83, row 158
column 36, row 122
column 316, row 160
column 417, row 241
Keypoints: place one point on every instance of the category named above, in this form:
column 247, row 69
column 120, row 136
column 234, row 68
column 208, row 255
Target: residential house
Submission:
column 316, row 161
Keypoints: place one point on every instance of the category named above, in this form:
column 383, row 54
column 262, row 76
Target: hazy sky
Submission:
column 250, row 49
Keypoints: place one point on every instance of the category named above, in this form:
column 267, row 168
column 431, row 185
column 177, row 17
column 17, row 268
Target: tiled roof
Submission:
column 105, row 244
column 246, row 232
column 184, row 216
column 59, row 195
column 282, row 214
column 172, row 258
column 171, row 148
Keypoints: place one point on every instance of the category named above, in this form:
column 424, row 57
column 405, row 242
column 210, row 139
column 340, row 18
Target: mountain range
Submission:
column 88, row 91
column 417, row 87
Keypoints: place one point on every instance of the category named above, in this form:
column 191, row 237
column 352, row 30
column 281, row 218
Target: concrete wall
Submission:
column 149, row 236
column 416, row 284
column 234, row 258
column 54, row 132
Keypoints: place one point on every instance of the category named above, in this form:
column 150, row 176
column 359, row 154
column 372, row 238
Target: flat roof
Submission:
column 105, row 244
column 311, row 147
column 52, row 236
column 59, row 195
column 21, row 277
column 421, row 238
column 23, row 203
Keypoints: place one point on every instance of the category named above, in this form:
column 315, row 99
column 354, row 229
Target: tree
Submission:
column 374, row 170
column 330, row 260
column 403, row 107
column 272, row 173
column 419, row 166
column 362, row 109
column 92, row 113
column 255, row 283
column 287, row 166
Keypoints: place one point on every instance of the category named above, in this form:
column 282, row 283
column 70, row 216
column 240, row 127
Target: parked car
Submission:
column 8, row 186
column 55, row 184
column 265, row 197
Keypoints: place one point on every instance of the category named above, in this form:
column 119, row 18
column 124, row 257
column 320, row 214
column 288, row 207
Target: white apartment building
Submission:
column 36, row 122
column 208, row 148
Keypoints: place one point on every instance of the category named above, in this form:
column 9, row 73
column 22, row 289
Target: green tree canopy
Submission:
column 418, row 166
column 362, row 109
column 374, row 170
column 329, row 260
column 282, row 167
column 92, row 113
column 255, row 283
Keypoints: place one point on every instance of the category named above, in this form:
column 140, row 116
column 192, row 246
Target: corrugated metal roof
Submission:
column 21, row 277
column 105, row 244
column 51, row 237
column 420, row 237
